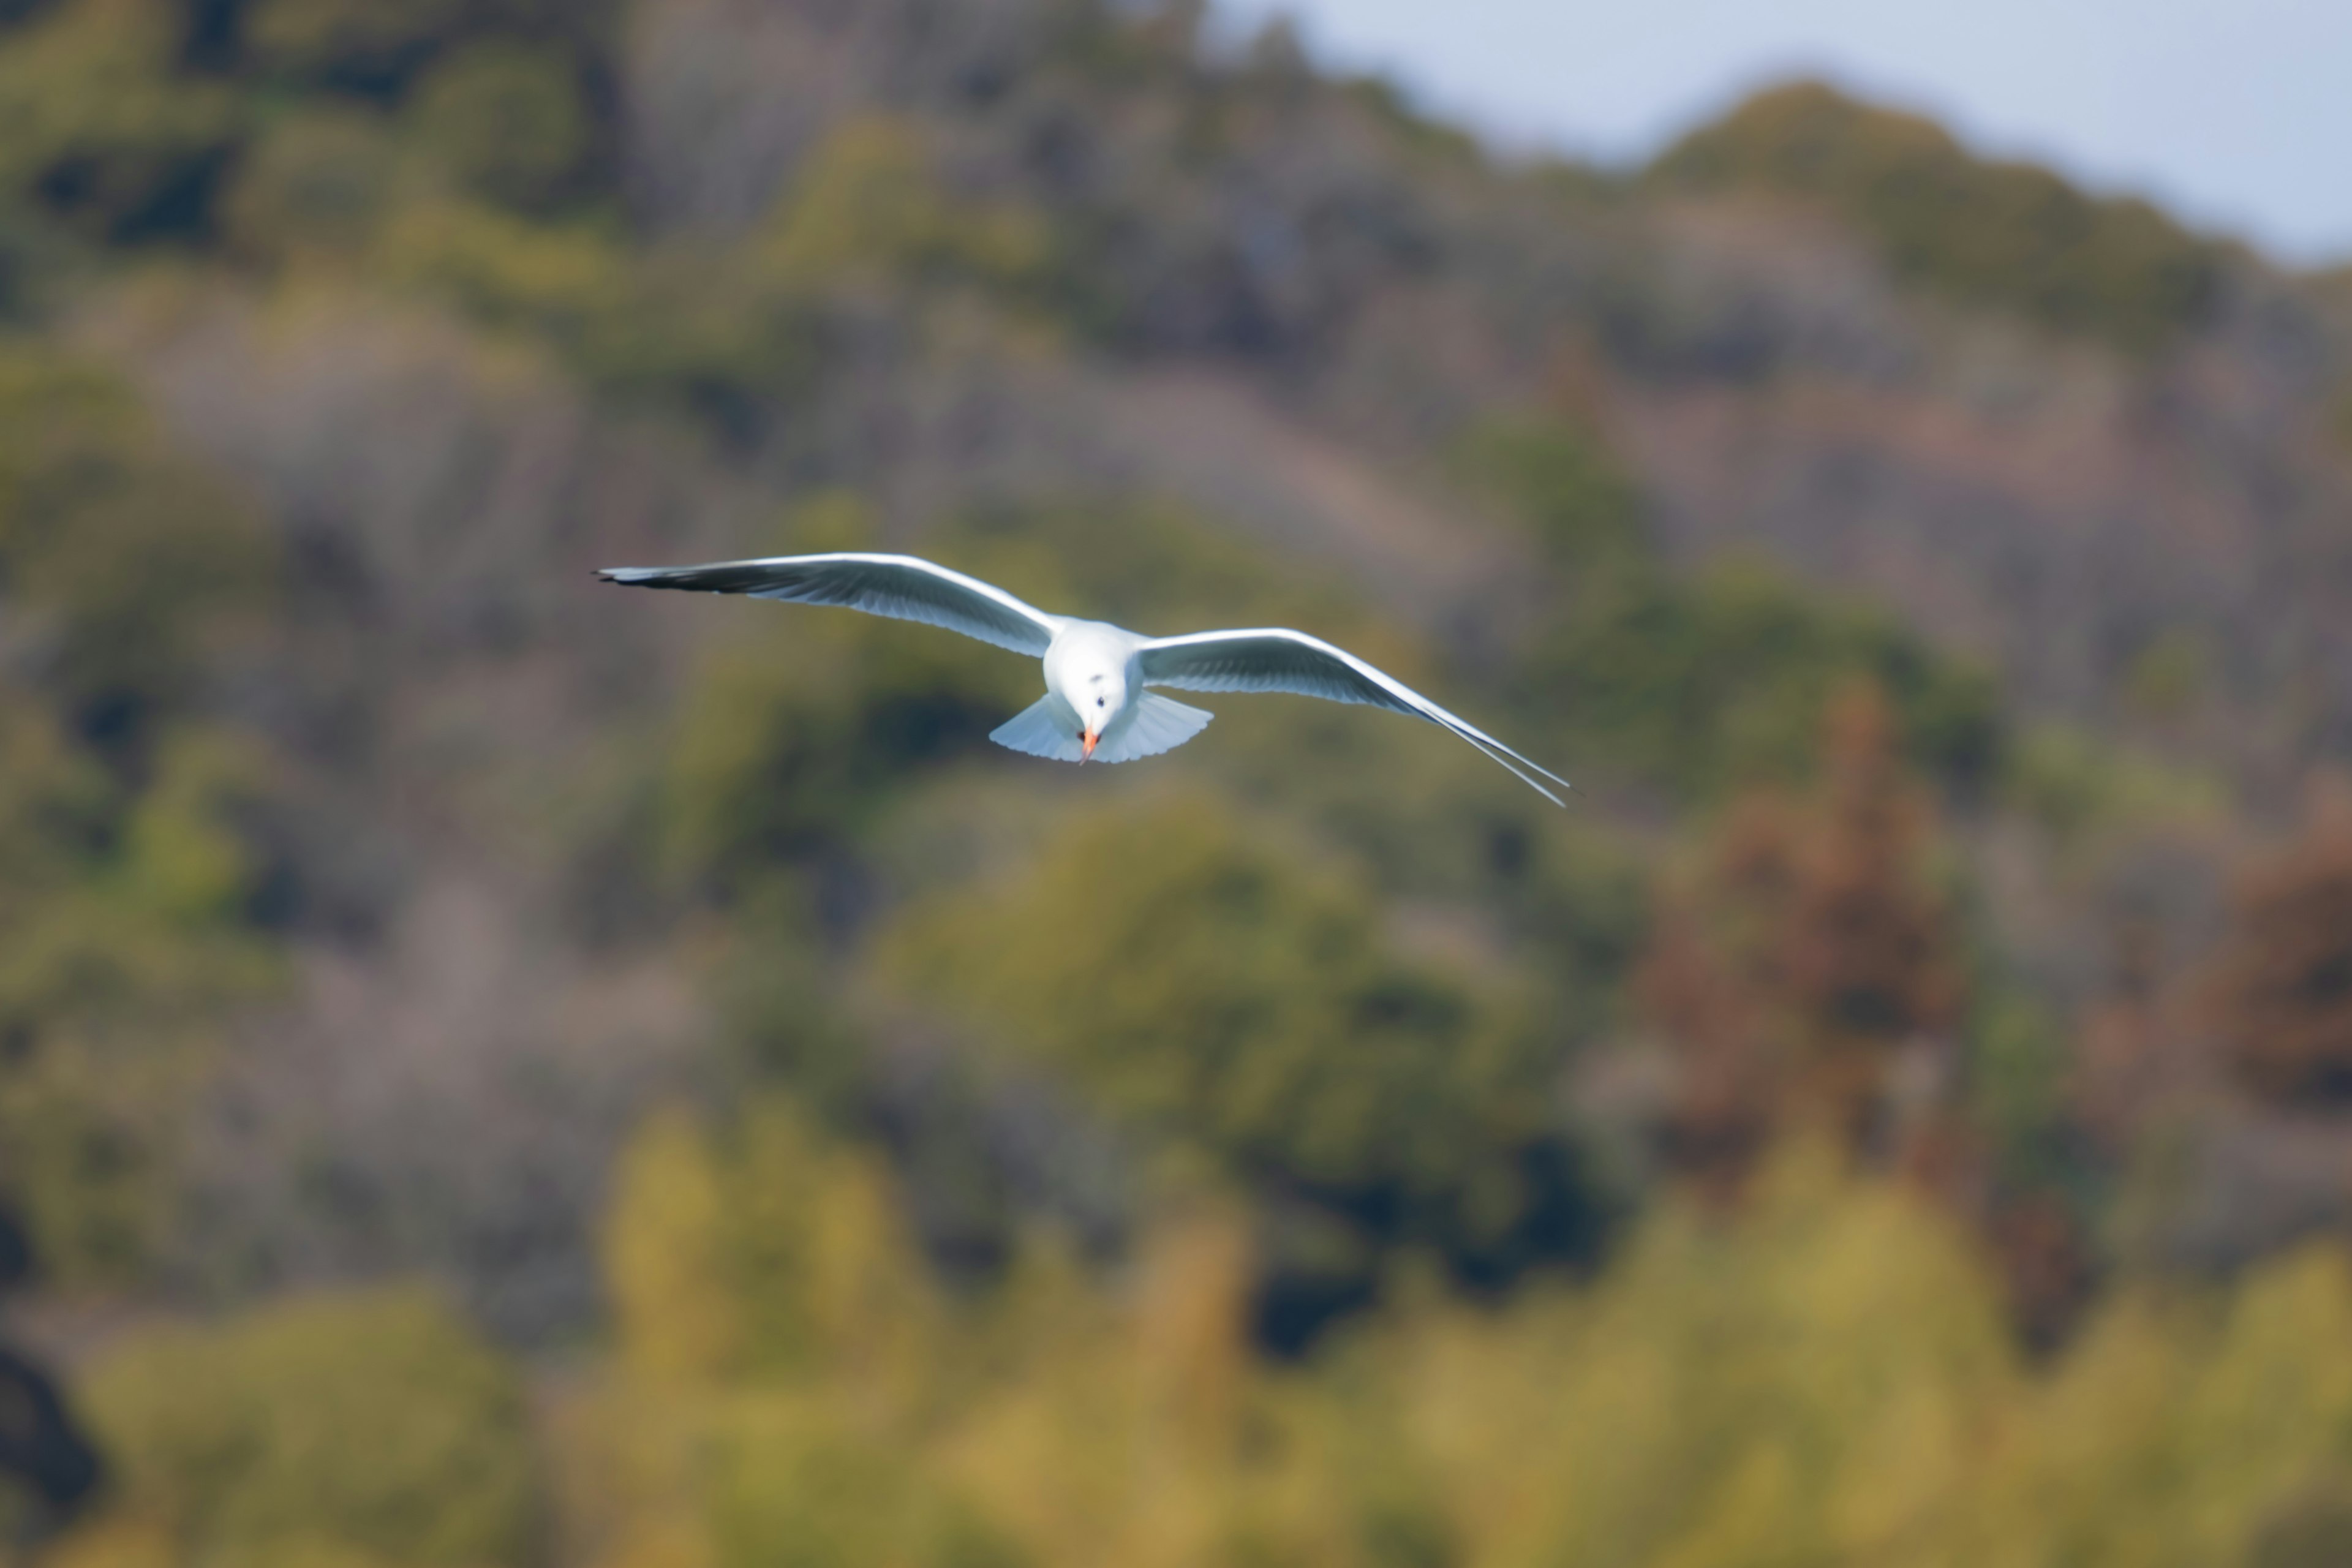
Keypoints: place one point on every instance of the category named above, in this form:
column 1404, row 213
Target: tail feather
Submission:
column 1161, row 724
column 1045, row 727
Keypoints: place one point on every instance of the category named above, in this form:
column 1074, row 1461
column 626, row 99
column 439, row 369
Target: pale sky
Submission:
column 2236, row 114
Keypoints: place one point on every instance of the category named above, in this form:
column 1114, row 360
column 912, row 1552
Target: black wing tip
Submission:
column 720, row 577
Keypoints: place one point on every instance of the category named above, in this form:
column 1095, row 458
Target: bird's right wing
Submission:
column 1274, row 658
column 899, row 587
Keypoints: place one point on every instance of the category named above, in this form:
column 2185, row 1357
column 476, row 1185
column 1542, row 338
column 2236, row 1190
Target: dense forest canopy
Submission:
column 495, row 1071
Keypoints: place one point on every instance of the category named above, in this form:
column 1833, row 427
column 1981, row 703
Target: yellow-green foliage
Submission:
column 95, row 123
column 2071, row 784
column 1705, row 685
column 317, row 182
column 2011, row 235
column 779, row 1255
column 124, row 885
column 868, row 206
column 1827, row 1379
column 129, row 555
column 1581, row 503
column 785, row 1487
column 777, row 1363
column 112, row 966
column 1824, row 1378
column 1135, row 1429
column 1050, row 1424
column 2168, row 1438
column 1204, row 981
column 1811, row 1386
column 795, row 725
column 2171, row 675
column 798, row 729
column 359, row 43
column 1701, row 682
column 565, row 283
column 373, row 1429
column 1152, row 565
column 506, row 121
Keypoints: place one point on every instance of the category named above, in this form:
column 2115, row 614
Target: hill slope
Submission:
column 453, row 303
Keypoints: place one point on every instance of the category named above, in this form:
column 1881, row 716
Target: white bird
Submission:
column 1095, row 705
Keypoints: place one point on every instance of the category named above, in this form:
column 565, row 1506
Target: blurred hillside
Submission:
column 498, row 1072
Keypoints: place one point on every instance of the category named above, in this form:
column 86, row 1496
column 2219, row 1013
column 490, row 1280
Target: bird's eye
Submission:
column 1098, row 702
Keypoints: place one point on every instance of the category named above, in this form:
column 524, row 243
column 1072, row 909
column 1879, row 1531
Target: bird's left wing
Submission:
column 1277, row 659
column 899, row 587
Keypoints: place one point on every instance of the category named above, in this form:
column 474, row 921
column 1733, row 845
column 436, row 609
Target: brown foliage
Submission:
column 1808, row 960
column 2280, row 993
column 2045, row 1267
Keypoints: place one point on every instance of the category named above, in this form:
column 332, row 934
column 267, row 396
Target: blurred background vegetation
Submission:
column 496, row 1073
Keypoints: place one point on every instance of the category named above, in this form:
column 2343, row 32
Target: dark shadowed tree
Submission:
column 41, row 1445
column 2281, row 990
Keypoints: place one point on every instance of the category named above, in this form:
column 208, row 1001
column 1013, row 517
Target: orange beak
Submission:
column 1087, row 741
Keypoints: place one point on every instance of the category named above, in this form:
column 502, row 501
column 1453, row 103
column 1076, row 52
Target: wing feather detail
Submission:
column 1276, row 659
column 902, row 587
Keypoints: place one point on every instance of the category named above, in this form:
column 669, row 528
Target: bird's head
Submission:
column 1096, row 693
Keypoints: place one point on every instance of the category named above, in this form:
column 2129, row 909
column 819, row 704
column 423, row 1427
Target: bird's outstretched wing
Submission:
column 899, row 587
column 1277, row 659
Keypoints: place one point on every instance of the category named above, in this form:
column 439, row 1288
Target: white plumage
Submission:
column 1096, row 705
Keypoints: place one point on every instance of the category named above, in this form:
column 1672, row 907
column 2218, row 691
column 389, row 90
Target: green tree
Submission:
column 370, row 45
column 125, row 928
column 868, row 206
column 506, row 119
column 377, row 1425
column 98, row 128
column 1215, row 988
column 1814, row 1382
column 771, row 1306
column 319, row 181
column 2009, row 236
column 1701, row 682
column 798, row 729
column 134, row 561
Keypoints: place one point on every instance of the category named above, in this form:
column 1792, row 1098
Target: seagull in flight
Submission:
column 1095, row 706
